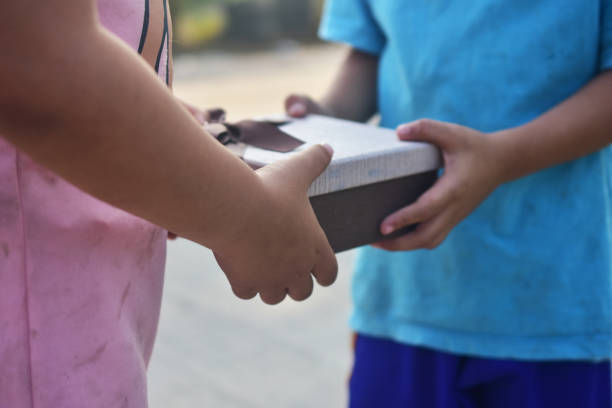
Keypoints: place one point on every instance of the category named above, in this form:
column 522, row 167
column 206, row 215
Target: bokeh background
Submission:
column 212, row 349
column 243, row 23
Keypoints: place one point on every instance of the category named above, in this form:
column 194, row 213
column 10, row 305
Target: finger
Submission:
column 427, row 130
column 299, row 106
column 244, row 292
column 273, row 296
column 428, row 235
column 326, row 270
column 302, row 289
column 408, row 242
column 432, row 202
column 306, row 166
column 241, row 291
column 295, row 105
column 214, row 115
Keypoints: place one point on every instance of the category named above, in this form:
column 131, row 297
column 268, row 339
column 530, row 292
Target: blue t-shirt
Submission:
column 528, row 274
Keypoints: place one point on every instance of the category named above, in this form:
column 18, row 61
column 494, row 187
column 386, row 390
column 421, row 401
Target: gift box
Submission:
column 372, row 174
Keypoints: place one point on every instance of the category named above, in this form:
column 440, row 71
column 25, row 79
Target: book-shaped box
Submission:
column 372, row 174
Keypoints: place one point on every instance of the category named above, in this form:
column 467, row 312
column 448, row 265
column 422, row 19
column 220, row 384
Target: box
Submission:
column 372, row 174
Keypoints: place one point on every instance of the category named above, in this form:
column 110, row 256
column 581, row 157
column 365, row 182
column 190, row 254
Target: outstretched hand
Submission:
column 284, row 247
column 473, row 169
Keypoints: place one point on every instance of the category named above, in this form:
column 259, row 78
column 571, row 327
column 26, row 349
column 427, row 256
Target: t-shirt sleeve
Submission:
column 352, row 22
column 606, row 35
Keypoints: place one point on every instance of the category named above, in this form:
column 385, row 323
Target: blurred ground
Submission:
column 255, row 83
column 212, row 349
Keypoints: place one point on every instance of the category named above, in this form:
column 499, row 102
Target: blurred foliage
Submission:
column 249, row 23
column 200, row 26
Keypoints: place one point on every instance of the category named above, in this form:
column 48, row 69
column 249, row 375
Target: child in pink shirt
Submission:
column 94, row 154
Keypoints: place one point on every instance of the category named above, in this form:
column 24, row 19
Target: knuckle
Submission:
column 436, row 195
column 433, row 199
column 453, row 193
column 427, row 201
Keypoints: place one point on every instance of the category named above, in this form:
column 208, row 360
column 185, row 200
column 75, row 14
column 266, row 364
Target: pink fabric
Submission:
column 80, row 282
column 124, row 18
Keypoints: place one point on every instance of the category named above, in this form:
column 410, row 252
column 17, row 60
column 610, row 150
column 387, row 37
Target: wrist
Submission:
column 510, row 153
column 501, row 158
column 240, row 216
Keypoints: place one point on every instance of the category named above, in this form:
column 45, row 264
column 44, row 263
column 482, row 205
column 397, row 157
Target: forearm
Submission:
column 353, row 93
column 99, row 117
column 577, row 127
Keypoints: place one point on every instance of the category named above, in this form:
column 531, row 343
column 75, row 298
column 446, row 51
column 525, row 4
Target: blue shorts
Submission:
column 389, row 374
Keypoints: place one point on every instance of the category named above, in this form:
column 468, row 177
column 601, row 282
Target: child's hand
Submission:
column 281, row 248
column 473, row 169
column 299, row 106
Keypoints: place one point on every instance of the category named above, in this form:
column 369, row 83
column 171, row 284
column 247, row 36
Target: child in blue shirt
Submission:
column 502, row 297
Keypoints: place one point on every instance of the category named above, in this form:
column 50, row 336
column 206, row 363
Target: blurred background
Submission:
column 212, row 349
column 243, row 23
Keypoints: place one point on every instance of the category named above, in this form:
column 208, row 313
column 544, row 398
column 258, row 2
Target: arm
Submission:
column 126, row 130
column 476, row 163
column 352, row 95
column 577, row 127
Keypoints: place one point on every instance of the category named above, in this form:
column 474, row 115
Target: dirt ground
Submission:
column 214, row 350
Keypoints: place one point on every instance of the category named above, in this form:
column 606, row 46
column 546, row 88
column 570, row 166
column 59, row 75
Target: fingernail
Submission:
column 328, row 147
column 297, row 109
column 404, row 130
column 387, row 229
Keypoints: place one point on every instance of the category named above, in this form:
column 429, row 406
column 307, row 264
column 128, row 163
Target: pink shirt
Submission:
column 80, row 281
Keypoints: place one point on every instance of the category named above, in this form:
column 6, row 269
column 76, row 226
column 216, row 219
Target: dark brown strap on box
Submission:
column 261, row 134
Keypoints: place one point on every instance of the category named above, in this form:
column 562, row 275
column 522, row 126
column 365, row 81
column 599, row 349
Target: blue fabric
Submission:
column 527, row 275
column 389, row 374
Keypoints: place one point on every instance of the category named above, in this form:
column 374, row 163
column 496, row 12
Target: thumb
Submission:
column 425, row 130
column 306, row 166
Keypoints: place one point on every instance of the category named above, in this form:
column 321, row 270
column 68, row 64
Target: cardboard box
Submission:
column 372, row 174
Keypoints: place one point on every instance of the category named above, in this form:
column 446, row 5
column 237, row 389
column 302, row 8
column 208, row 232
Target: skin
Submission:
column 476, row 163
column 120, row 135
